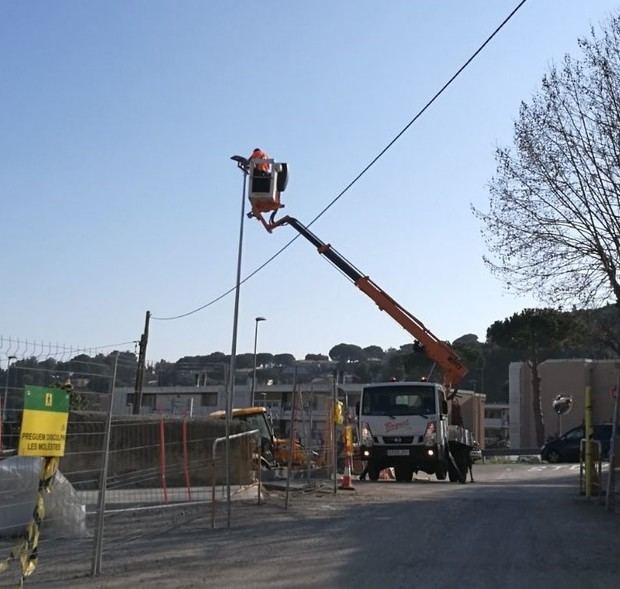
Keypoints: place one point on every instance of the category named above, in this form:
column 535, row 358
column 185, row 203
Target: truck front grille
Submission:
column 397, row 439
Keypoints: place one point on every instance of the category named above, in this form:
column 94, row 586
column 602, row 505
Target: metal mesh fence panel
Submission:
column 163, row 460
column 65, row 534
column 139, row 476
column 311, row 451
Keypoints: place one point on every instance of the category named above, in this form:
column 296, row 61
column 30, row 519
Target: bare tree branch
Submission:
column 553, row 224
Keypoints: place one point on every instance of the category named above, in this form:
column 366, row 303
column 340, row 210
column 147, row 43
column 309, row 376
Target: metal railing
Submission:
column 217, row 441
column 490, row 452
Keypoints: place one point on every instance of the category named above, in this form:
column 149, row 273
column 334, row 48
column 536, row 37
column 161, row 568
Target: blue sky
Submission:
column 118, row 119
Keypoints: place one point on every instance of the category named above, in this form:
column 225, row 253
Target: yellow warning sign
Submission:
column 44, row 422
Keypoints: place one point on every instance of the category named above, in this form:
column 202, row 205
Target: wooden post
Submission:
column 137, row 394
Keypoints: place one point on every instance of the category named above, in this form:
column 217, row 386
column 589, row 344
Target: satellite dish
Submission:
column 562, row 404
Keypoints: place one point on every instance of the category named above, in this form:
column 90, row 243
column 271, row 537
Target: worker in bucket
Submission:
column 261, row 169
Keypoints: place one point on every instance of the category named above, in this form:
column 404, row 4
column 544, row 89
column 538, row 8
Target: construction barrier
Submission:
column 132, row 476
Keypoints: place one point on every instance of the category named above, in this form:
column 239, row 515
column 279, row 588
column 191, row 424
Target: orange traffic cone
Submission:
column 346, row 482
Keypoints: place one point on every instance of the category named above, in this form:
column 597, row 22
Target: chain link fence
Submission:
column 310, row 448
column 124, row 480
column 68, row 526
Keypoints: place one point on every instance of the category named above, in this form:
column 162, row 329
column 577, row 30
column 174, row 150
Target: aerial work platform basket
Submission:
column 268, row 179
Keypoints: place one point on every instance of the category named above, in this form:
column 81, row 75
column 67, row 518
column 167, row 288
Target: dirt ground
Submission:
column 518, row 526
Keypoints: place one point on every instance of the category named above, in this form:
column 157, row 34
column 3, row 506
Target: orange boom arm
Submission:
column 438, row 351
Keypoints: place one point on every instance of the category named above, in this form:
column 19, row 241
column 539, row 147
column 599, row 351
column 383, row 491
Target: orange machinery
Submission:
column 438, row 351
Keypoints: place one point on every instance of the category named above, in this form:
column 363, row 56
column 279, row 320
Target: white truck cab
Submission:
column 405, row 425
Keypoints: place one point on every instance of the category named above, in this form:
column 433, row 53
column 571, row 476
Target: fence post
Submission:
column 260, row 466
column 186, row 459
column 334, row 432
column 213, row 481
column 610, row 498
column 291, row 446
column 589, row 463
column 98, row 550
column 162, row 458
column 252, row 432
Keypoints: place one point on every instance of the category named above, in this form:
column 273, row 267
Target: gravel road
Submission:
column 519, row 526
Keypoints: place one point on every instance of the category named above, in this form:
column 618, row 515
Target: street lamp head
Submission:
column 261, row 319
column 242, row 162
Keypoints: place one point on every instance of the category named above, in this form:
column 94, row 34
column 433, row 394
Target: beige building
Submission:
column 473, row 411
column 496, row 425
column 560, row 377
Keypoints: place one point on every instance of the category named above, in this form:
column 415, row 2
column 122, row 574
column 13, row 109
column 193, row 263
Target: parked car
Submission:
column 566, row 447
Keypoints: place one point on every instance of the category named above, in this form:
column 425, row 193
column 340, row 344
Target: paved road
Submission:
column 518, row 526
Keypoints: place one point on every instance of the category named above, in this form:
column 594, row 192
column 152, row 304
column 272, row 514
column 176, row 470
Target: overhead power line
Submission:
column 364, row 170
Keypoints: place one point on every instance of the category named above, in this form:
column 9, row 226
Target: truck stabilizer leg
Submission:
column 457, row 472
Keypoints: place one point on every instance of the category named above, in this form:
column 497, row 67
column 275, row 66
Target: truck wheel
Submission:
column 404, row 474
column 453, row 474
column 441, row 473
column 373, row 473
column 463, row 464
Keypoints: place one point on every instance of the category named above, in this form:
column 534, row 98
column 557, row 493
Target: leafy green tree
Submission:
column 469, row 339
column 392, row 367
column 601, row 332
column 166, row 373
column 217, row 357
column 346, row 353
column 264, row 359
column 316, row 357
column 410, row 361
column 474, row 355
column 284, row 359
column 125, row 369
column 373, row 352
column 245, row 360
column 536, row 334
column 371, row 368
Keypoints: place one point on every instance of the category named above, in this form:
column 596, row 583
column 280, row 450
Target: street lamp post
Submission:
column 257, row 320
column 242, row 164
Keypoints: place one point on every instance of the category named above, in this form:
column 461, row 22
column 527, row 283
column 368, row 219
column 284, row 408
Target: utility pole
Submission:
column 137, row 393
